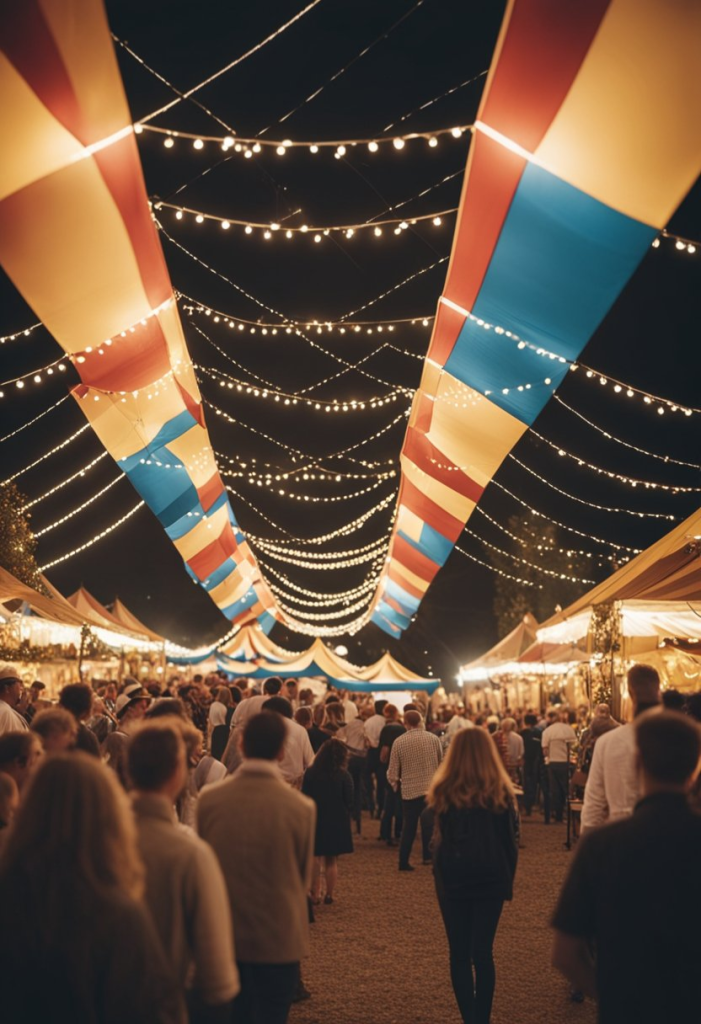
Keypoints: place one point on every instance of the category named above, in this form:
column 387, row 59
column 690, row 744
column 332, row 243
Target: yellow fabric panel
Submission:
column 169, row 319
column 411, row 577
column 203, row 533
column 35, row 143
column 409, row 523
column 231, row 589
column 194, row 450
column 471, row 431
column 430, row 377
column 84, row 280
column 92, row 68
column 414, row 408
column 627, row 132
column 456, row 504
column 125, row 424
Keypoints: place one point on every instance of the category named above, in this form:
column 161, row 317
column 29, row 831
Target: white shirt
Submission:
column 247, row 708
column 351, row 709
column 297, row 754
column 555, row 742
column 217, row 714
column 457, row 723
column 413, row 762
column 612, row 784
column 10, row 720
column 514, row 748
column 353, row 733
column 373, row 728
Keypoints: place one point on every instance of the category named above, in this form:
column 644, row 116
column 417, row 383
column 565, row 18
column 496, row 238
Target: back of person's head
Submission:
column 156, row 753
column 303, row 717
column 56, row 727
column 236, row 695
column 166, row 707
column 508, row 725
column 335, row 715
column 223, row 695
column 280, row 705
column 410, row 707
column 264, row 736
column 552, row 716
column 673, row 700
column 16, row 749
column 644, row 684
column 77, row 698
column 332, row 698
column 471, row 775
column 602, row 711
column 331, row 757
column 9, row 799
column 693, row 706
column 72, row 839
column 391, row 712
column 380, row 706
column 412, row 719
column 669, row 747
column 318, row 714
column 531, row 721
column 272, row 686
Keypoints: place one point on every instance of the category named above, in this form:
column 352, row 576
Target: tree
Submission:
column 17, row 542
column 538, row 544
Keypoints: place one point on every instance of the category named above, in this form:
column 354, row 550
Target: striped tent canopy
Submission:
column 78, row 241
column 585, row 144
column 129, row 621
column 252, row 644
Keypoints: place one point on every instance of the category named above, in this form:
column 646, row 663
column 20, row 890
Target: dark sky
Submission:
column 649, row 339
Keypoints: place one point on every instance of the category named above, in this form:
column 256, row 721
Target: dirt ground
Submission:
column 379, row 953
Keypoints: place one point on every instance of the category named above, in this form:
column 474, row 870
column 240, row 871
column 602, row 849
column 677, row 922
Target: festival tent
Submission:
column 580, row 154
column 122, row 614
column 84, row 602
column 504, row 655
column 388, row 670
column 251, row 643
column 48, row 607
column 552, row 654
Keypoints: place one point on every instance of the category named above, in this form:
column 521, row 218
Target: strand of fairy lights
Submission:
column 524, row 561
column 540, row 547
column 343, row 563
column 324, row 616
column 24, row 332
column 499, row 572
column 436, row 99
column 626, row 444
column 29, row 423
column 36, row 375
column 266, row 478
column 47, row 455
column 75, row 511
column 325, row 598
column 281, row 549
column 394, row 288
column 93, row 540
column 631, row 391
column 280, row 472
column 68, row 480
column 318, row 233
column 564, row 526
column 631, row 481
column 314, row 499
column 591, row 504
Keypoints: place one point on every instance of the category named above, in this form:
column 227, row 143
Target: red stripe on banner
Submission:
column 414, row 560
column 423, row 413
column 540, row 56
column 409, row 587
column 427, row 510
column 193, row 407
column 211, row 557
column 446, row 329
column 491, row 180
column 128, row 363
column 395, row 604
column 210, row 491
column 432, row 461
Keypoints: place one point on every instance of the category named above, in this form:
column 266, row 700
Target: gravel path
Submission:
column 379, row 954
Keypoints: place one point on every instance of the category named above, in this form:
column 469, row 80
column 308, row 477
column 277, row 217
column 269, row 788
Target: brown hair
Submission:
column 472, row 775
column 154, row 754
column 53, row 720
column 223, row 695
column 331, row 757
column 669, row 745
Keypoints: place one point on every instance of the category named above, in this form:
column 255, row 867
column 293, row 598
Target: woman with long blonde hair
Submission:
column 474, row 861
column 71, row 883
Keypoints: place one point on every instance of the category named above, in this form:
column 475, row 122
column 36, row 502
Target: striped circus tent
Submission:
column 585, row 144
column 78, row 241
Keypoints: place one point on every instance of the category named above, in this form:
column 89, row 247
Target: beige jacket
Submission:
column 262, row 831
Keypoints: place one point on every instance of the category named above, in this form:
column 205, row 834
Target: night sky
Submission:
column 649, row 340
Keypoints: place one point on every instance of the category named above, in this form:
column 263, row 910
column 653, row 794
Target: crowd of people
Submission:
column 163, row 850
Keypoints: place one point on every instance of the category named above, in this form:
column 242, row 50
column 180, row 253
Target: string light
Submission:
column 519, row 540
column 429, row 103
column 75, row 511
column 24, row 332
column 343, row 531
column 93, row 540
column 282, row 550
column 394, row 288
column 344, row 563
column 632, row 481
column 68, row 480
column 626, row 444
column 325, row 616
column 36, row 375
column 315, row 499
column 499, row 572
column 47, row 455
column 591, row 504
column 24, row 426
column 323, row 598
column 630, row 391
column 524, row 561
column 681, row 244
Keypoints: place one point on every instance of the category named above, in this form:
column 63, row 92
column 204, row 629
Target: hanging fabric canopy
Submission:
column 127, row 619
column 504, row 653
column 78, row 242
column 586, row 142
column 251, row 644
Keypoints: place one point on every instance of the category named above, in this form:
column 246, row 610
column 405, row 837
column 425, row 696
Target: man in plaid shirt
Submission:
column 413, row 761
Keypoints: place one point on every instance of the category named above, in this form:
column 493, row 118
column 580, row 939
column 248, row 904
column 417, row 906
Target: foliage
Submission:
column 17, row 542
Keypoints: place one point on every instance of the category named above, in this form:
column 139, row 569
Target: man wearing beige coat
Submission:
column 262, row 832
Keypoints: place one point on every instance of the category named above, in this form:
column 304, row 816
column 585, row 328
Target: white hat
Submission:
column 131, row 693
column 9, row 672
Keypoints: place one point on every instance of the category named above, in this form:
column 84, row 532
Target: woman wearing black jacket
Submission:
column 474, row 862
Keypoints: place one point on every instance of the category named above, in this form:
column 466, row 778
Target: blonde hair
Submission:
column 223, row 695
column 472, row 775
column 335, row 716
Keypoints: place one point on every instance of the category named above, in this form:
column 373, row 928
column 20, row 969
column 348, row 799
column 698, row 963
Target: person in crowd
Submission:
column 9, row 802
column 13, row 699
column 353, row 735
column 392, row 810
column 475, row 854
column 167, row 707
column 317, row 736
column 185, row 889
column 71, row 885
column 291, row 691
column 130, row 707
column 20, row 754
column 602, row 714
column 306, row 698
column 297, row 754
column 460, row 720
column 514, row 749
column 37, row 700
column 534, row 774
column 612, row 784
column 600, row 724
column 634, row 889
column 196, row 705
column 253, row 705
column 374, row 724
column 101, row 721
column 262, row 831
column 334, row 719
column 221, row 711
column 350, row 708
column 412, row 764
column 330, row 786
column 673, row 700
column 558, row 740
column 57, row 729
column 77, row 699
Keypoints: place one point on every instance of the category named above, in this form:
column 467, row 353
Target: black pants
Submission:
column 266, row 993
column 535, row 777
column 392, row 809
column 559, row 777
column 470, row 926
column 411, row 812
column 373, row 767
column 356, row 769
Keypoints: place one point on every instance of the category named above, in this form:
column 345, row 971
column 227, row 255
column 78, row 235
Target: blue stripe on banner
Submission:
column 560, row 263
column 382, row 608
column 219, row 574
column 248, row 599
column 432, row 544
column 405, row 599
column 170, row 430
column 185, row 523
column 169, row 495
column 221, row 500
column 266, row 622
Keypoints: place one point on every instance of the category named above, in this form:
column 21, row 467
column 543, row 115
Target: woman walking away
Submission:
column 221, row 711
column 474, row 862
column 70, row 899
column 330, row 786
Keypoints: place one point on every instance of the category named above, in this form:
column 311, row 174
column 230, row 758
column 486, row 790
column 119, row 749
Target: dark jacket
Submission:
column 475, row 853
